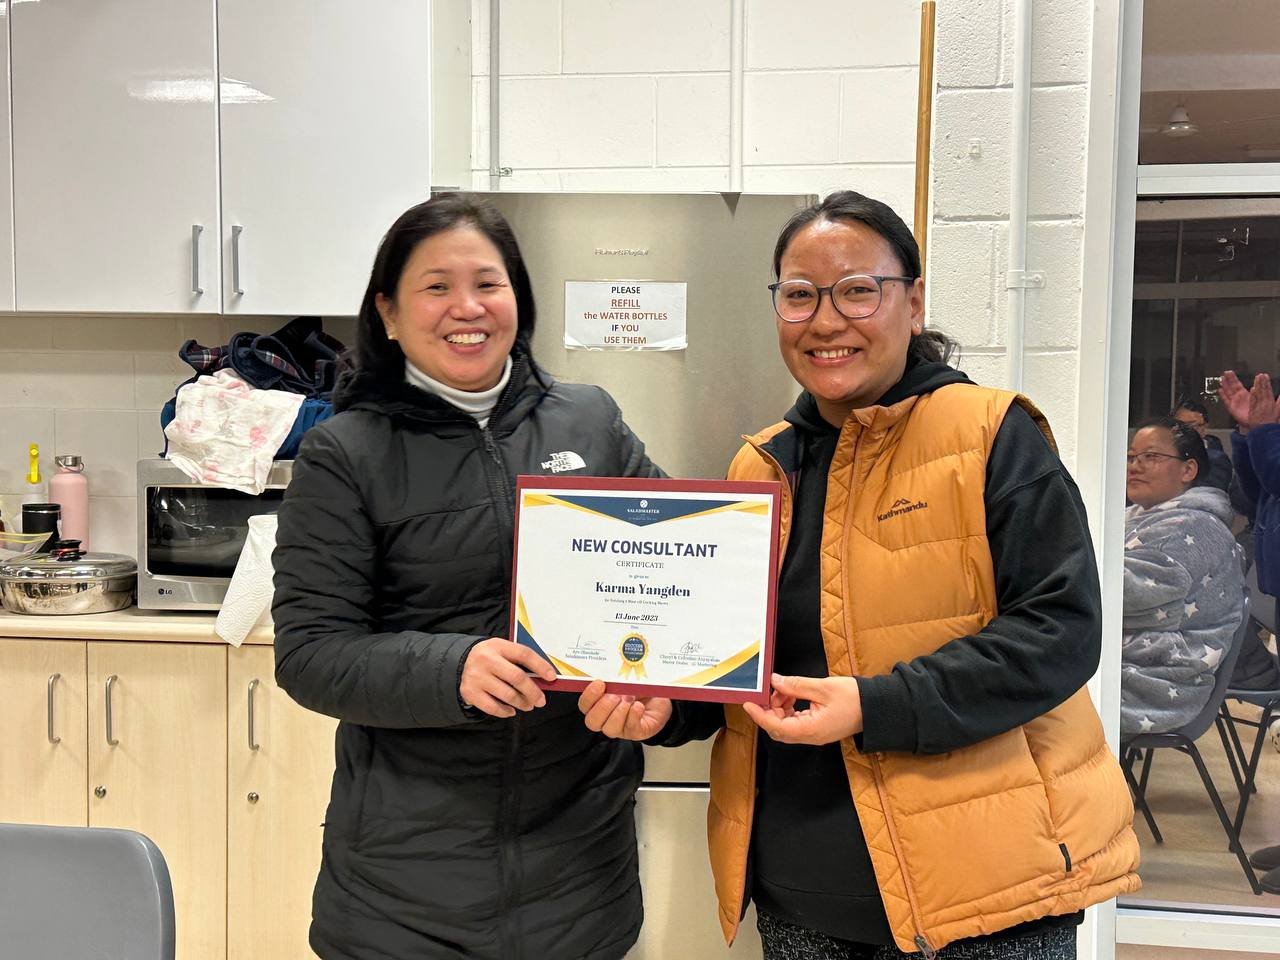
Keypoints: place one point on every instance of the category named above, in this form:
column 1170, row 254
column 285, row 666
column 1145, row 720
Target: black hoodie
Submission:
column 809, row 863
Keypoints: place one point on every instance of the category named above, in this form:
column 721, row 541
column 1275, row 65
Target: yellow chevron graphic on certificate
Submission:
column 655, row 586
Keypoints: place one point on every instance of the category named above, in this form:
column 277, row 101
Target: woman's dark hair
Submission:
column 1192, row 405
column 1188, row 444
column 931, row 345
column 374, row 352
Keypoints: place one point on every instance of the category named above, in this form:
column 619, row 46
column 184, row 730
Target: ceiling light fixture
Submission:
column 1179, row 124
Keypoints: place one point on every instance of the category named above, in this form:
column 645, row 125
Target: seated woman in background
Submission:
column 1183, row 584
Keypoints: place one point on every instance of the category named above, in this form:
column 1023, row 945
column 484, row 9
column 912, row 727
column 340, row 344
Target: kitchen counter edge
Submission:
column 131, row 623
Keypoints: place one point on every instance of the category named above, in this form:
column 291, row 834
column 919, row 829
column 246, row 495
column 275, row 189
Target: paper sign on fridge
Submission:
column 658, row 587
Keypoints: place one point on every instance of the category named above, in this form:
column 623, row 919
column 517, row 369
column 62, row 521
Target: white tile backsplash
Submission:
column 19, row 428
column 116, row 334
column 150, row 436
column 26, row 332
column 107, row 441
column 156, row 377
column 65, row 379
column 113, row 525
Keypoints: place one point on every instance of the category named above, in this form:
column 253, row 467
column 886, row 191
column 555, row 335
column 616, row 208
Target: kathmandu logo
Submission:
column 901, row 506
column 565, row 460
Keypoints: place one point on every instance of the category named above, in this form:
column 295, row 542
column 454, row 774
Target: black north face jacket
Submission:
column 448, row 833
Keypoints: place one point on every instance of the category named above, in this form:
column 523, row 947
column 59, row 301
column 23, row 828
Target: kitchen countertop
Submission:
column 128, row 624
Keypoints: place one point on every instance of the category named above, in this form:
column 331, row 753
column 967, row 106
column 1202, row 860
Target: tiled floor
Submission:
column 1193, row 864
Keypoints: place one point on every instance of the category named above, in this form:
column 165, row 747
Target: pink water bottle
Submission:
column 70, row 488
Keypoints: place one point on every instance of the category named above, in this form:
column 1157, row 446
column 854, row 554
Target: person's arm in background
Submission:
column 330, row 655
column 1255, row 410
column 1264, row 457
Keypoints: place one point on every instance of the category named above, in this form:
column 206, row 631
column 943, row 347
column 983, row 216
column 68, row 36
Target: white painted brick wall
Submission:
column 968, row 254
column 829, row 95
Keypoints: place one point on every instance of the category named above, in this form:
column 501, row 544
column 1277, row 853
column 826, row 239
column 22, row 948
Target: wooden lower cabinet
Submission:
column 43, row 770
column 278, row 779
column 158, row 764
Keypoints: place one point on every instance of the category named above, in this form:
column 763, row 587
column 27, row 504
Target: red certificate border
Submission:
column 638, row 484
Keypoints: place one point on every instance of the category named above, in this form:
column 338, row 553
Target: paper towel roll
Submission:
column 248, row 600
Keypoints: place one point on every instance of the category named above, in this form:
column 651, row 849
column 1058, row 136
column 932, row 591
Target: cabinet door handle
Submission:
column 52, row 680
column 196, row 230
column 236, row 230
column 111, row 682
column 253, row 742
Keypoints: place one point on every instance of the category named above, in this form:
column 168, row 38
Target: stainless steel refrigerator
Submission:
column 691, row 407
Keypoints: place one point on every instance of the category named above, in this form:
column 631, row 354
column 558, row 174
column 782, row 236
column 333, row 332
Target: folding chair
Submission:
column 83, row 892
column 1264, row 612
column 1184, row 741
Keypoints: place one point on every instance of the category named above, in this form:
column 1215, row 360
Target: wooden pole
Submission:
column 924, row 124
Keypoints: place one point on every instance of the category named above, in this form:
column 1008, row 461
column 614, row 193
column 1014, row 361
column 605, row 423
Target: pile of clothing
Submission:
column 250, row 402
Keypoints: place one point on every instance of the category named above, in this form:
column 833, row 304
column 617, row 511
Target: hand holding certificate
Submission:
column 658, row 587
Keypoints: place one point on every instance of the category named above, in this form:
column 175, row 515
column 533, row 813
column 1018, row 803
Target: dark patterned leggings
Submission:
column 787, row 941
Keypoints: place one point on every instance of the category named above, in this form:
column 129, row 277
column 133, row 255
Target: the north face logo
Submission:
column 900, row 506
column 565, row 460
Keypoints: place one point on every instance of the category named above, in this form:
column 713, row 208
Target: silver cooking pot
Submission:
column 67, row 580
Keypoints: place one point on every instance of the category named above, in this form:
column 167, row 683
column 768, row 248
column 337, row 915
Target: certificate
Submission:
column 658, row 587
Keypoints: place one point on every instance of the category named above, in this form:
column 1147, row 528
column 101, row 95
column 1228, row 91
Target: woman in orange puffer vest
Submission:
column 932, row 777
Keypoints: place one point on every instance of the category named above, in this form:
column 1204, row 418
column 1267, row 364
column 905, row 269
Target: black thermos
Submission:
column 42, row 518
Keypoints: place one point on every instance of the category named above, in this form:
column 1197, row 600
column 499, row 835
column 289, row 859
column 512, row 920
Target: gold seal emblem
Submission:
column 634, row 648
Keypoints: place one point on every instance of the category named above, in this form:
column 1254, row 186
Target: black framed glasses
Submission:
column 1149, row 458
column 855, row 298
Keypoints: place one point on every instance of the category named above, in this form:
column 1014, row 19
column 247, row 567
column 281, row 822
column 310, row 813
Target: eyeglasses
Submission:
column 855, row 298
column 1149, row 458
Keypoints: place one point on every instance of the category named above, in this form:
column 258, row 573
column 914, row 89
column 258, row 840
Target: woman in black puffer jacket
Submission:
column 472, row 815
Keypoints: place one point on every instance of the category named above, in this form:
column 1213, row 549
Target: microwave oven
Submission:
column 190, row 534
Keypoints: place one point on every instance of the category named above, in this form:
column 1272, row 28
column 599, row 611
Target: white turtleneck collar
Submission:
column 478, row 403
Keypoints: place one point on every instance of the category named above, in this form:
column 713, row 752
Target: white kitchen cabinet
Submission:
column 326, row 121
column 115, row 156
column 6, row 167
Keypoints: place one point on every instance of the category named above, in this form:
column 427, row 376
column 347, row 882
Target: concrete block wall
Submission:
column 969, row 232
column 634, row 95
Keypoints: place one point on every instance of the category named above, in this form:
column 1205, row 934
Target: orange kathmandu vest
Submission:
column 1031, row 822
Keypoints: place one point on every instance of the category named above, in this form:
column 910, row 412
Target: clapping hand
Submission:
column 1249, row 408
column 623, row 717
column 834, row 711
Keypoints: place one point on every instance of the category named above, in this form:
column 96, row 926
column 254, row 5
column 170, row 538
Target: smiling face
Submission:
column 847, row 364
column 1157, row 471
column 454, row 312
